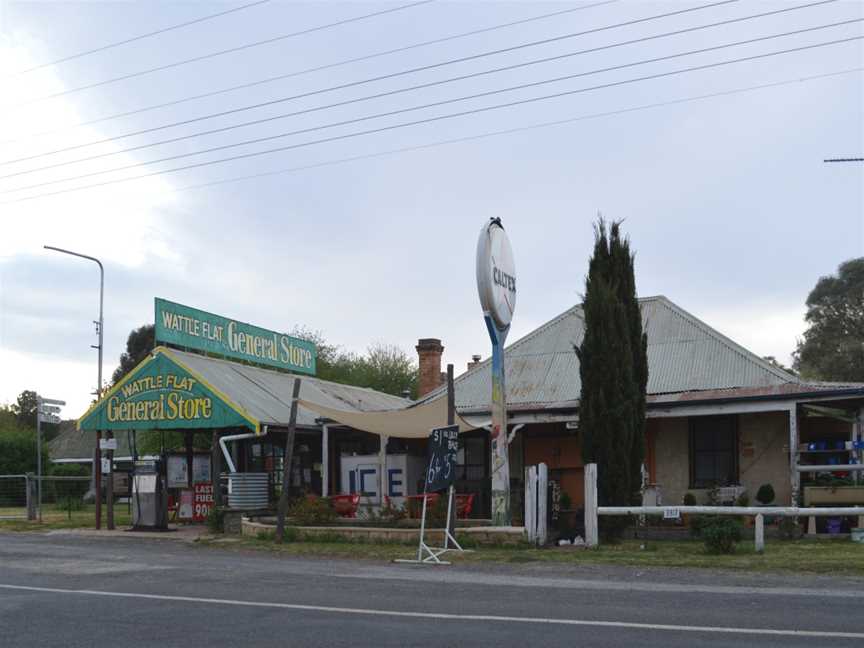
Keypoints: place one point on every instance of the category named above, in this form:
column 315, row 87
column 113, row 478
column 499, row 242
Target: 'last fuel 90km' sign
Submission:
column 443, row 448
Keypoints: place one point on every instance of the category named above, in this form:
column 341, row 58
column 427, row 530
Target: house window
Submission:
column 713, row 451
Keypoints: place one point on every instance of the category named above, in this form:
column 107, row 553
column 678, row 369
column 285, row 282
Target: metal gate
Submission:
column 15, row 496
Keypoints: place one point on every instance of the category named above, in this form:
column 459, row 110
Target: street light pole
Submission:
column 97, row 460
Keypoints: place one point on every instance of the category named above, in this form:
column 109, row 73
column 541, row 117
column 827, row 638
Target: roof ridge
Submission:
column 575, row 310
column 727, row 342
column 291, row 375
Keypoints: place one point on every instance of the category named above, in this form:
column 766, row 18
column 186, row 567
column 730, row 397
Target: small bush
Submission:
column 216, row 520
column 765, row 495
column 743, row 500
column 720, row 535
column 565, row 502
column 789, row 529
column 312, row 511
column 689, row 499
column 388, row 515
column 266, row 536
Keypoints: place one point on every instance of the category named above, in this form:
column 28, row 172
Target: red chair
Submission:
column 464, row 505
column 415, row 504
column 346, row 505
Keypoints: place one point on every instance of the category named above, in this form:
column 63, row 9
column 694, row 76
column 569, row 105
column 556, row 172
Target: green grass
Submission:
column 56, row 517
column 824, row 556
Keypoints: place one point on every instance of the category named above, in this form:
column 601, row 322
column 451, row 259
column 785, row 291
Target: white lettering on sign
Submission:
column 671, row 514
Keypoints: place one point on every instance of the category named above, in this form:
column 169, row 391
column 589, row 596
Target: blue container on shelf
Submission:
column 834, row 525
column 839, row 445
column 821, row 445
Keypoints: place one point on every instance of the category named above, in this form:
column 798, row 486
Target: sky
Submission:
column 722, row 188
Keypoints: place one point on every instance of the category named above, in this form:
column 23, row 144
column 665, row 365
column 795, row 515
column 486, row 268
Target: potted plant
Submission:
column 689, row 500
column 765, row 495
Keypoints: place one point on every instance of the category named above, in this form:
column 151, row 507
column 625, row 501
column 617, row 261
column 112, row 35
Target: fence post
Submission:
column 28, row 494
column 542, row 499
column 531, row 503
column 591, row 534
column 760, row 533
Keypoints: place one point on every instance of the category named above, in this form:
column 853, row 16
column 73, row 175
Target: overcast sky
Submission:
column 729, row 206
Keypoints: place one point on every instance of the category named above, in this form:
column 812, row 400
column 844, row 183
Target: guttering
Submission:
column 824, row 393
column 236, row 437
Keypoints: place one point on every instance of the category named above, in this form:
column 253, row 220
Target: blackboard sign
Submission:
column 441, row 469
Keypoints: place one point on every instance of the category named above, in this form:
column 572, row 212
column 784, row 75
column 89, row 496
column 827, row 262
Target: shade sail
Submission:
column 413, row 422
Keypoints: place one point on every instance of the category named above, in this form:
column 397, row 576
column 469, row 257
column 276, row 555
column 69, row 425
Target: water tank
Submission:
column 248, row 491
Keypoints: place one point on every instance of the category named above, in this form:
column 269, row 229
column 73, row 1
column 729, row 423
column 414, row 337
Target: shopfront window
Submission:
column 713, row 451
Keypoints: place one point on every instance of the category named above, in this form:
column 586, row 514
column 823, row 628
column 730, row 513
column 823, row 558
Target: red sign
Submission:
column 203, row 501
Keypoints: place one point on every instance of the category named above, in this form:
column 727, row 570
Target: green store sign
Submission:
column 162, row 394
column 195, row 329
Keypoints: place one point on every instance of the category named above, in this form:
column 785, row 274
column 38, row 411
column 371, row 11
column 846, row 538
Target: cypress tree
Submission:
column 613, row 366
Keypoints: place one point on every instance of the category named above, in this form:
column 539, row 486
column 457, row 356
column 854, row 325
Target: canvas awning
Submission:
column 413, row 422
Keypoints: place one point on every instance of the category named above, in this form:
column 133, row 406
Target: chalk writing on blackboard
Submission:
column 443, row 448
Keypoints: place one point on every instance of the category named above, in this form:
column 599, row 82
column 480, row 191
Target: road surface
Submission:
column 68, row 590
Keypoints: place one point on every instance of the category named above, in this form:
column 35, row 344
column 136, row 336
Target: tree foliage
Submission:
column 613, row 366
column 25, row 408
column 833, row 344
column 138, row 345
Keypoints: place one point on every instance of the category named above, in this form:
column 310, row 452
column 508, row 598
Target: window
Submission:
column 713, row 451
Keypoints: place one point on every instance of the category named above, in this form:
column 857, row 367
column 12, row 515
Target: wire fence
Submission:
column 24, row 497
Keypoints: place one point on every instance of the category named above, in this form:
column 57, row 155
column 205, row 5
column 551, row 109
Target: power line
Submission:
column 427, row 120
column 844, row 160
column 319, row 68
column 137, row 38
column 411, row 71
column 230, row 50
column 415, row 87
column 520, row 129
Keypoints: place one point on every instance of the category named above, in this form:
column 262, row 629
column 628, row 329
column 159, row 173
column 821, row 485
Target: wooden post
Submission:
column 97, row 466
column 325, row 460
column 531, row 503
column 286, row 467
column 591, row 532
column 109, row 489
column 795, row 476
column 542, row 499
column 451, row 419
column 216, row 469
column 382, row 467
column 760, row 533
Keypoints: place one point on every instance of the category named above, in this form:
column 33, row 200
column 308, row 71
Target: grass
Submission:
column 56, row 517
column 823, row 556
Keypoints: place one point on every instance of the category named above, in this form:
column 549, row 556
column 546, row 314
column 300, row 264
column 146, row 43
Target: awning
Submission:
column 177, row 390
column 413, row 422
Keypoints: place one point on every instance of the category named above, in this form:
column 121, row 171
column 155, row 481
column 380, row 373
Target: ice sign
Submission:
column 443, row 447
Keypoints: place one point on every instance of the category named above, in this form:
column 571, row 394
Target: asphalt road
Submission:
column 67, row 590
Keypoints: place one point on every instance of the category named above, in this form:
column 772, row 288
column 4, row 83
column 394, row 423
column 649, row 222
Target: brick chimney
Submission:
column 429, row 352
column 475, row 360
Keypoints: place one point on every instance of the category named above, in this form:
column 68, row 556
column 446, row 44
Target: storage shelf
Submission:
column 827, row 451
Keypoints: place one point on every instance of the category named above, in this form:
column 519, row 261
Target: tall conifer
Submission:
column 613, row 366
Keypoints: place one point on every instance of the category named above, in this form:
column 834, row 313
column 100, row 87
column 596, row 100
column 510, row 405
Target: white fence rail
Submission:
column 592, row 511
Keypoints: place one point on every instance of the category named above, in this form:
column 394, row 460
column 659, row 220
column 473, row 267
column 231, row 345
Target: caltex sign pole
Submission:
column 496, row 286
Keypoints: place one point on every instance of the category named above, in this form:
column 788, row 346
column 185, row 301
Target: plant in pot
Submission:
column 689, row 500
column 744, row 501
column 765, row 496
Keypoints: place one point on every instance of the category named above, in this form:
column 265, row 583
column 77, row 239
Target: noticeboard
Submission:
column 441, row 467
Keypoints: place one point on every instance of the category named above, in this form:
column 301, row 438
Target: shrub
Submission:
column 388, row 515
column 216, row 520
column 743, row 500
column 312, row 511
column 789, row 529
column 68, row 495
column 765, row 495
column 689, row 499
column 565, row 502
column 720, row 535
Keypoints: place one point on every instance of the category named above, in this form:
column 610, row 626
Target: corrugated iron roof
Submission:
column 684, row 355
column 266, row 394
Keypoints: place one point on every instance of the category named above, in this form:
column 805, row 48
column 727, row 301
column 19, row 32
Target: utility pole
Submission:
column 97, row 454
